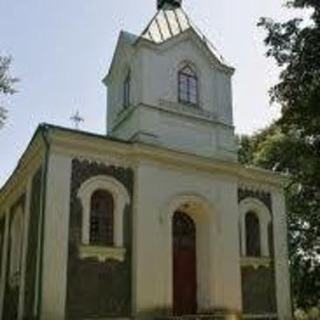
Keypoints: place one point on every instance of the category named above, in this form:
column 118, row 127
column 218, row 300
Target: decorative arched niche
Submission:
column 252, row 206
column 120, row 200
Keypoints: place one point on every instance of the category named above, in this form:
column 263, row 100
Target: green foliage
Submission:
column 6, row 84
column 287, row 153
column 3, row 115
column 311, row 314
column 245, row 151
column 295, row 46
column 292, row 145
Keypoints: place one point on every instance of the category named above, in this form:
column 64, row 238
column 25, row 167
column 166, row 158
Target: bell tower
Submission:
column 170, row 87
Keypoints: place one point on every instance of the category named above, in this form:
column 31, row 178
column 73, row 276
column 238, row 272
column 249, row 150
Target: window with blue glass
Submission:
column 188, row 85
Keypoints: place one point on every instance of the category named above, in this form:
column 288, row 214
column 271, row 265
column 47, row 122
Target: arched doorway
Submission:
column 184, row 264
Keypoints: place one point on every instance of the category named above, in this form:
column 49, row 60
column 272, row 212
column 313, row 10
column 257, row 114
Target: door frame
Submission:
column 193, row 252
column 203, row 214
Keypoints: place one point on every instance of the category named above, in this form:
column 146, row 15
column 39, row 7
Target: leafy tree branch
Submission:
column 7, row 83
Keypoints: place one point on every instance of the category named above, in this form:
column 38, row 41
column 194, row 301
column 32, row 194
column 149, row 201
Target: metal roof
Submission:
column 169, row 23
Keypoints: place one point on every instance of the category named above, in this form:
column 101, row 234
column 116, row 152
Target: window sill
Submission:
column 189, row 104
column 102, row 253
column 256, row 262
column 188, row 109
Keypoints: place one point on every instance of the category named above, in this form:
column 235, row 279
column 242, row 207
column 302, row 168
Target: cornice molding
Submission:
column 188, row 110
column 104, row 149
column 130, row 153
column 198, row 114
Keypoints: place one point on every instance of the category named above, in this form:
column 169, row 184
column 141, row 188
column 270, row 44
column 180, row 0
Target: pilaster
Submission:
column 226, row 294
column 56, row 238
column 4, row 261
column 281, row 256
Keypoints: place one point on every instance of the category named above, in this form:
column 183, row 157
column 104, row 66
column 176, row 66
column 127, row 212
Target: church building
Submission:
column 156, row 219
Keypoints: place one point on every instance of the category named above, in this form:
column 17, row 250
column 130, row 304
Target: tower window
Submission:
column 188, row 85
column 101, row 218
column 126, row 90
column 253, row 240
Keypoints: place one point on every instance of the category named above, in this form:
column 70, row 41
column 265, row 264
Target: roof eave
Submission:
column 35, row 145
column 141, row 41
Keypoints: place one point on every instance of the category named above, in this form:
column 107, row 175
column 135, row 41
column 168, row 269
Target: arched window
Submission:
column 255, row 219
column 253, row 238
column 100, row 196
column 101, row 218
column 16, row 242
column 127, row 90
column 188, row 85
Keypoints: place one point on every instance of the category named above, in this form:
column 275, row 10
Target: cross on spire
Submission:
column 168, row 3
column 77, row 119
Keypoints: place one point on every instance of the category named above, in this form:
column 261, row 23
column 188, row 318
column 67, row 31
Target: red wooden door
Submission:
column 184, row 265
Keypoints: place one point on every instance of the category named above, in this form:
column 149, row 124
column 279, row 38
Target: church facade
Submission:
column 157, row 219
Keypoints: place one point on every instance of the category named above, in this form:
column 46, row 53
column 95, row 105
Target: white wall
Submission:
column 160, row 68
column 218, row 252
column 56, row 238
column 281, row 255
column 125, row 59
column 196, row 136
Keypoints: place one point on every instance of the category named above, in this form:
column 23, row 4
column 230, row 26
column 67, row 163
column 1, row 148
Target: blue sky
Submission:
column 62, row 49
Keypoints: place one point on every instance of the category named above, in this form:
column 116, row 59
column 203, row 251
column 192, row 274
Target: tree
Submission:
column 296, row 48
column 292, row 144
column 6, row 84
column 286, row 152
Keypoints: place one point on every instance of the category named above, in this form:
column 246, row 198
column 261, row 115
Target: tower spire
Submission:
column 161, row 4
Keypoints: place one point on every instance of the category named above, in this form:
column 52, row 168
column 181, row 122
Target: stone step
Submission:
column 215, row 316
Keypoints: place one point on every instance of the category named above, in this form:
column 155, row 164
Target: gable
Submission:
column 122, row 54
column 190, row 37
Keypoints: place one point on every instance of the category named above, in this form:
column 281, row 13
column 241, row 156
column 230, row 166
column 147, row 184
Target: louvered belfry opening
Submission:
column 172, row 3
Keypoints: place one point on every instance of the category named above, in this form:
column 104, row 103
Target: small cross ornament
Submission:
column 77, row 119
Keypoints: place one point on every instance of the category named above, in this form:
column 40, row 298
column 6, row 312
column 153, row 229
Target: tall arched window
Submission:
column 188, row 85
column 253, row 238
column 114, row 198
column 101, row 218
column 127, row 90
column 16, row 243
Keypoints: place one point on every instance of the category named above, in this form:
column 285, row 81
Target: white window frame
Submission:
column 195, row 77
column 264, row 216
column 121, row 199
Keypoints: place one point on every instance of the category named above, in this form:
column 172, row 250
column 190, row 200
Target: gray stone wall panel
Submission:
column 94, row 288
